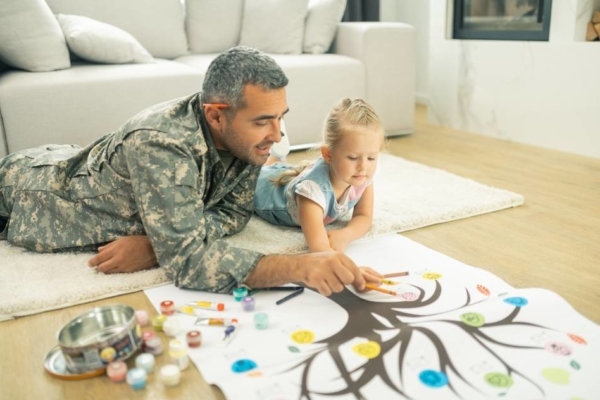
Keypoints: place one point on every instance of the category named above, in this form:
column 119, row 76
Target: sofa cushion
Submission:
column 156, row 24
column 321, row 24
column 213, row 26
column 80, row 104
column 30, row 37
column 274, row 26
column 100, row 42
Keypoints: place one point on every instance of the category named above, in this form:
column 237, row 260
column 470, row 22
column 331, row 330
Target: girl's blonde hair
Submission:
column 347, row 115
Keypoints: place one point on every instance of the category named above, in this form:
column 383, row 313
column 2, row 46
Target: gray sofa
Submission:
column 76, row 105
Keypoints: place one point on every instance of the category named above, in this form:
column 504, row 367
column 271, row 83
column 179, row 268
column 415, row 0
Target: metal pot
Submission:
column 100, row 336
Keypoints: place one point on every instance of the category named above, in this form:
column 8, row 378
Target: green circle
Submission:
column 473, row 319
column 498, row 379
column 556, row 375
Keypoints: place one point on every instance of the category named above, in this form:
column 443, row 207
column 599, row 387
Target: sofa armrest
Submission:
column 387, row 50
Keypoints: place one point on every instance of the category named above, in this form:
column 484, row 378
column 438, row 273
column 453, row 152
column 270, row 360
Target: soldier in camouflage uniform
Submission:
column 181, row 173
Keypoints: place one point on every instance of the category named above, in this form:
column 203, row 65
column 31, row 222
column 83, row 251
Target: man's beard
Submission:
column 239, row 150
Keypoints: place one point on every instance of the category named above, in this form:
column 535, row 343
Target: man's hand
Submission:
column 126, row 254
column 326, row 271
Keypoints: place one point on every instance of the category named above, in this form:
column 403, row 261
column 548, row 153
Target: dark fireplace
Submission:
column 502, row 19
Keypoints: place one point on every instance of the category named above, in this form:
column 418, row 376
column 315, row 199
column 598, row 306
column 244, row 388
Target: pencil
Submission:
column 377, row 288
column 389, row 282
column 290, row 296
column 395, row 274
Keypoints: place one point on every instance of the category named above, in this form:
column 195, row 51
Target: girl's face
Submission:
column 353, row 159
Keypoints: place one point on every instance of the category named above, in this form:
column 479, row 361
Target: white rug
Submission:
column 408, row 196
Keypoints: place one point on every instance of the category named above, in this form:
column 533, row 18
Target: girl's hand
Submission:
column 338, row 240
column 370, row 275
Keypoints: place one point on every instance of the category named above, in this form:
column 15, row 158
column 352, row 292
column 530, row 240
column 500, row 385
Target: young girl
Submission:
column 339, row 181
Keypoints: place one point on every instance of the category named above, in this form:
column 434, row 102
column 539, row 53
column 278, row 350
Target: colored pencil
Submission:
column 389, row 282
column 275, row 288
column 377, row 288
column 290, row 296
column 395, row 274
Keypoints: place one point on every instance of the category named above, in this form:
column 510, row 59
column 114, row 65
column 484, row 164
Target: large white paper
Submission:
column 453, row 331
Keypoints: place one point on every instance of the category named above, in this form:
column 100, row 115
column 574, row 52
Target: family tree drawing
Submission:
column 487, row 372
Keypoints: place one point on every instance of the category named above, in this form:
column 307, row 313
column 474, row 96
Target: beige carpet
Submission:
column 407, row 196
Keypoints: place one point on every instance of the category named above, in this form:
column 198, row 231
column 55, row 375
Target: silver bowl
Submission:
column 100, row 336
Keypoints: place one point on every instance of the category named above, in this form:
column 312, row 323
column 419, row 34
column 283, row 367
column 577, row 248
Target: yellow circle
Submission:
column 432, row 276
column 303, row 337
column 369, row 349
column 108, row 354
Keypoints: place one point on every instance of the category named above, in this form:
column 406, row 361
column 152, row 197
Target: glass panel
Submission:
column 501, row 15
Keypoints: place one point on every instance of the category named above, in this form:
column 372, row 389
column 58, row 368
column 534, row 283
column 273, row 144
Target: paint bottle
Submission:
column 136, row 378
column 142, row 317
column 178, row 354
column 167, row 307
column 261, row 321
column 194, row 339
column 170, row 375
column 116, row 371
column 146, row 362
column 147, row 335
column 248, row 303
column 158, row 321
column 171, row 327
column 153, row 346
column 239, row 293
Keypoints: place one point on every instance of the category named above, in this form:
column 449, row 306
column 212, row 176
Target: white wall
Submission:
column 415, row 13
column 541, row 93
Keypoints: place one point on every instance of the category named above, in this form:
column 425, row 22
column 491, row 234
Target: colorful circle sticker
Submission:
column 556, row 375
column 433, row 379
column 516, row 301
column 473, row 319
column 576, row 339
column 303, row 337
column 243, row 365
column 558, row 348
column 369, row 349
column 432, row 276
column 409, row 296
column 498, row 379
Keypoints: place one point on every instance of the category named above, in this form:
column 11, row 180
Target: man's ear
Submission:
column 214, row 117
column 326, row 153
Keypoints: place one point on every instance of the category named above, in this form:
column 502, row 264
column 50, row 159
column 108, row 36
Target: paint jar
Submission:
column 116, row 371
column 178, row 354
column 194, row 339
column 136, row 378
column 248, row 303
column 170, row 375
column 167, row 307
column 239, row 293
column 154, row 346
column 171, row 327
column 261, row 321
column 142, row 317
column 158, row 321
column 145, row 361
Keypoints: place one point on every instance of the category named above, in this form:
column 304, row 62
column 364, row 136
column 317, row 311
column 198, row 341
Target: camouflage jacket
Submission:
column 158, row 175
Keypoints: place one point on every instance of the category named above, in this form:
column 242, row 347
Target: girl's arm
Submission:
column 362, row 218
column 311, row 222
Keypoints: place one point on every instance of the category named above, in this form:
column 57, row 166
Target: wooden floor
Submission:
column 551, row 242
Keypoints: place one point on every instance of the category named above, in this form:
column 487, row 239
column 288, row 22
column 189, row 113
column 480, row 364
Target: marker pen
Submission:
column 216, row 321
column 208, row 305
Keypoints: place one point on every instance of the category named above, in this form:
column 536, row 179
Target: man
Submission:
column 167, row 186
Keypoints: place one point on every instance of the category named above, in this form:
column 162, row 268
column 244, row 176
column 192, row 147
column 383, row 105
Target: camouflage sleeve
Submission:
column 230, row 215
column 165, row 182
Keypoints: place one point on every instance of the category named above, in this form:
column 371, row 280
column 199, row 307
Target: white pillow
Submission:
column 99, row 42
column 274, row 26
column 321, row 24
column 213, row 26
column 30, row 37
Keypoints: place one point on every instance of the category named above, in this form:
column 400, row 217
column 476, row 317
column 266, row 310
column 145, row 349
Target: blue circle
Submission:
column 517, row 301
column 434, row 379
column 243, row 365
